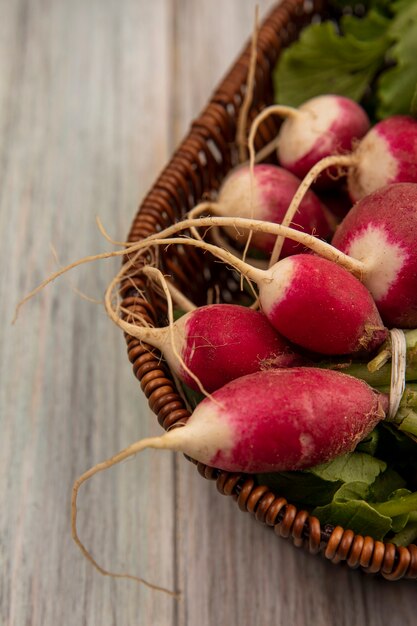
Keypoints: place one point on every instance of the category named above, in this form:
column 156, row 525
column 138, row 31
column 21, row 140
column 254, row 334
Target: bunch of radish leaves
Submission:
column 371, row 58
column 359, row 490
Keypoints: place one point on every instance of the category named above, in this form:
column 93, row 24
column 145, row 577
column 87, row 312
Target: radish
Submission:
column 217, row 343
column 276, row 420
column 320, row 306
column 311, row 301
column 137, row 250
column 268, row 200
column 320, row 127
column 275, row 286
column 268, row 421
column 387, row 154
column 381, row 232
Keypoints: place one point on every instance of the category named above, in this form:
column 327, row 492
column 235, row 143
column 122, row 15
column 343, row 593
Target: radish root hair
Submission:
column 154, row 272
column 106, row 235
column 288, row 111
column 244, row 111
column 75, row 289
column 145, row 246
column 113, row 310
column 196, row 212
column 133, row 449
column 308, row 180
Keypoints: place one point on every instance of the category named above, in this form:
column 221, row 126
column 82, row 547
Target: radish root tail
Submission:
column 133, row 449
column 145, row 246
column 244, row 111
column 154, row 272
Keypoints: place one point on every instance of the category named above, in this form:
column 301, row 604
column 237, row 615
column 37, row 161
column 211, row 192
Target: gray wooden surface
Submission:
column 94, row 96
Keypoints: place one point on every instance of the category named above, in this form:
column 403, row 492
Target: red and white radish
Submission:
column 267, row 198
column 381, row 232
column 322, row 126
column 134, row 251
column 269, row 421
column 310, row 311
column 320, row 306
column 277, row 420
column 218, row 343
column 387, row 154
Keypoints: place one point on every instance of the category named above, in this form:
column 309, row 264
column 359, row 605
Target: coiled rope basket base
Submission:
column 196, row 169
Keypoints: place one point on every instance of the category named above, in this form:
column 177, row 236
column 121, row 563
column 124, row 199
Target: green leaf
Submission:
column 398, row 505
column 300, row 487
column 322, row 61
column 353, row 467
column 399, row 521
column 408, row 534
column 397, row 86
column 317, row 485
column 385, row 484
column 401, row 5
column 369, row 445
column 350, row 510
column 373, row 26
column 367, row 4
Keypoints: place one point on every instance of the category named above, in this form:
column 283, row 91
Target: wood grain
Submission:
column 94, row 96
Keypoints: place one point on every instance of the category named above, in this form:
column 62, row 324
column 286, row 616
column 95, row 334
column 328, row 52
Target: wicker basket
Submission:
column 196, row 169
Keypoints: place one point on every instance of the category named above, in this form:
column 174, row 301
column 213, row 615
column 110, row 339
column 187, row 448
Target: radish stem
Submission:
column 243, row 114
column 379, row 378
column 274, row 109
column 323, row 249
column 308, row 180
column 398, row 506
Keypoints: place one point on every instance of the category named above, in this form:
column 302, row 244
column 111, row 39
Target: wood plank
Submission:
column 84, row 118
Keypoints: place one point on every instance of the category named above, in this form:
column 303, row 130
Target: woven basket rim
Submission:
column 156, row 210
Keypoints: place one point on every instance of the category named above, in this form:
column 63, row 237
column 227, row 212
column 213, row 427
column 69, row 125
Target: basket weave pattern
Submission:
column 197, row 169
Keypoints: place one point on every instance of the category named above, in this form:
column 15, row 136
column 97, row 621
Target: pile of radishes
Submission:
column 270, row 405
column 274, row 401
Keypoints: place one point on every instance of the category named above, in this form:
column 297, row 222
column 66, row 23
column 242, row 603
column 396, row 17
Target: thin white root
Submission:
column 52, row 277
column 142, row 247
column 275, row 109
column 106, row 235
column 222, row 242
column 217, row 237
column 154, row 442
column 178, row 297
column 308, row 180
column 318, row 246
column 272, row 110
column 182, row 301
column 155, row 273
column 147, row 334
column 243, row 114
column 264, row 152
column 75, row 289
column 196, row 212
